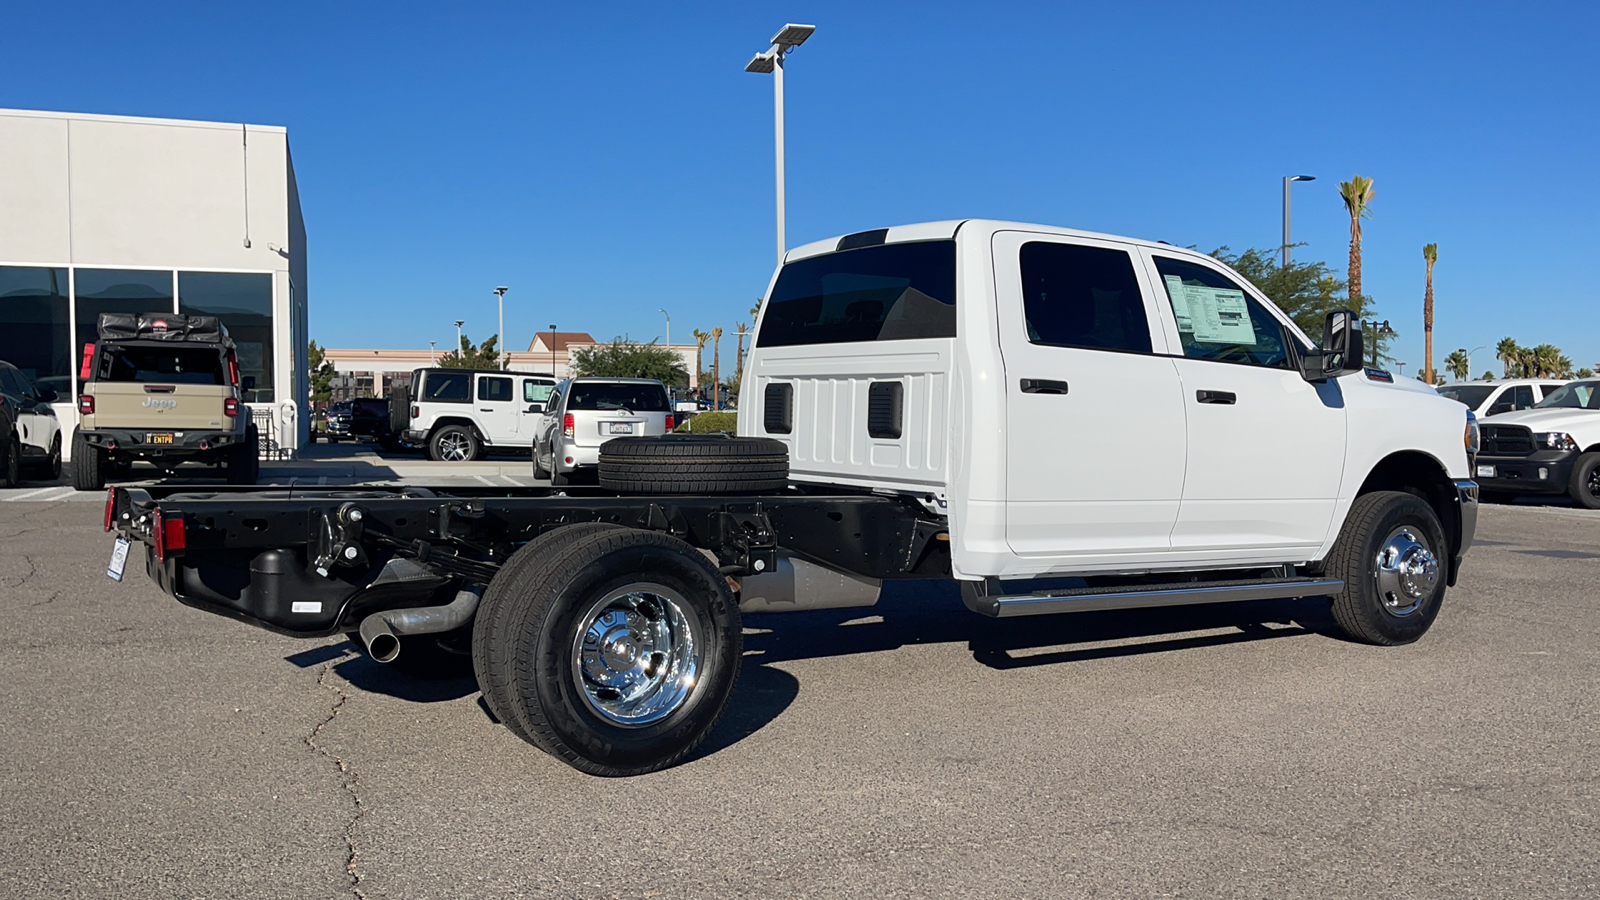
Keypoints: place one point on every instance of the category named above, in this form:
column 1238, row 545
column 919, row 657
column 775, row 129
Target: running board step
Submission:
column 983, row 596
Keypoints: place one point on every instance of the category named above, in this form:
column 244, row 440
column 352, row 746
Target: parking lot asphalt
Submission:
column 910, row 750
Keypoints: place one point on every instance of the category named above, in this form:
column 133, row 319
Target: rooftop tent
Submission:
column 162, row 327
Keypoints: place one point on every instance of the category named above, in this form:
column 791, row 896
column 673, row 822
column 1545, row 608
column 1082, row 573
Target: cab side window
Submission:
column 1218, row 320
column 1522, row 397
column 1085, row 297
column 494, row 388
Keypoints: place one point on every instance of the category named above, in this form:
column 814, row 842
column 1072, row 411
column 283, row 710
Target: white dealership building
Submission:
column 122, row 214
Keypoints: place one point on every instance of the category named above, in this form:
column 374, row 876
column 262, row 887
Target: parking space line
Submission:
column 511, row 481
column 485, row 481
column 34, row 492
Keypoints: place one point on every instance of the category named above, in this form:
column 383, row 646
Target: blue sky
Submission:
column 605, row 161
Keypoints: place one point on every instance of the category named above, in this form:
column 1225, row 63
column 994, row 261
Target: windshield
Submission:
column 883, row 293
column 163, row 365
column 1577, row 395
column 631, row 397
column 1470, row 394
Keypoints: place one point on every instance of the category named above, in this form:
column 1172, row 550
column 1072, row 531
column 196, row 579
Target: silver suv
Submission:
column 584, row 413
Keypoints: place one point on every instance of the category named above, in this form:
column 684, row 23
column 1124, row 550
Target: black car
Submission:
column 339, row 417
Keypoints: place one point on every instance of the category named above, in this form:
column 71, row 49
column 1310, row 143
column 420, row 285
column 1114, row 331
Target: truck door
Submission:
column 497, row 412
column 1266, row 447
column 1094, row 416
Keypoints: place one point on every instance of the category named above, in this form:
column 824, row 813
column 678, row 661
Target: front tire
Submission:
column 88, row 465
column 619, row 652
column 1584, row 489
column 453, row 443
column 1392, row 555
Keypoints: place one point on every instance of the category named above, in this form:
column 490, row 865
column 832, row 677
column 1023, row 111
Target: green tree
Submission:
column 1306, row 291
column 1547, row 361
column 1430, row 253
column 624, row 359
column 1487, row 376
column 470, row 356
column 1585, row 372
column 1357, row 194
column 1457, row 364
column 321, row 375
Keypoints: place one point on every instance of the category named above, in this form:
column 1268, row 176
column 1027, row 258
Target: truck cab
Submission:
column 1081, row 403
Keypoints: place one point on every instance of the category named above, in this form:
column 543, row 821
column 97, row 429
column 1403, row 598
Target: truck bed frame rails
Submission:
column 312, row 561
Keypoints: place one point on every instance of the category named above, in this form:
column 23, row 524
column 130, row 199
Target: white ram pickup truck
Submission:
column 1057, row 420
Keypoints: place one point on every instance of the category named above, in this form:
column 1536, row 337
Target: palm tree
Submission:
column 1507, row 352
column 1458, row 365
column 716, row 367
column 699, row 351
column 756, row 310
column 1546, row 361
column 1430, row 252
column 1357, row 194
column 738, row 360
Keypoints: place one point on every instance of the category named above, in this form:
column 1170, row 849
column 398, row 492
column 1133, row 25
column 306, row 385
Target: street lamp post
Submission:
column 1469, row 358
column 432, row 354
column 459, row 323
column 500, row 293
column 1288, row 180
column 552, row 350
column 771, row 62
column 1402, row 367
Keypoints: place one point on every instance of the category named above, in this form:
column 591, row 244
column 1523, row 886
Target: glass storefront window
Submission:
column 116, row 291
column 35, row 330
column 243, row 301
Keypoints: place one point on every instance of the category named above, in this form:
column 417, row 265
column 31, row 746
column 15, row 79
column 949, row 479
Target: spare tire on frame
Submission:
column 694, row 464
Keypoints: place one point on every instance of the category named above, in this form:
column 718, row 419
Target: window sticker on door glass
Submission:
column 1215, row 315
column 1180, row 303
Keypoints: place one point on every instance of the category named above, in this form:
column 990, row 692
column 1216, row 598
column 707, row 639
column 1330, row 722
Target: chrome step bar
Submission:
column 984, row 597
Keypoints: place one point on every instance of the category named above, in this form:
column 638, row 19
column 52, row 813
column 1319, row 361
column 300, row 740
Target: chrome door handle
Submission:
column 1226, row 398
column 1043, row 386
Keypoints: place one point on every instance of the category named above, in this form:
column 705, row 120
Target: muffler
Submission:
column 381, row 631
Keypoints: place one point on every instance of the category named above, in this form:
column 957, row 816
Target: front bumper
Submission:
column 1467, row 507
column 1540, row 472
column 185, row 444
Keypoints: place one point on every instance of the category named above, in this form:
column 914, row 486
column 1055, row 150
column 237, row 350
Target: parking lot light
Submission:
column 771, row 62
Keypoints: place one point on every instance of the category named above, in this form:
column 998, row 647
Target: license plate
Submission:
column 119, row 559
column 622, row 428
column 1486, row 471
column 162, row 438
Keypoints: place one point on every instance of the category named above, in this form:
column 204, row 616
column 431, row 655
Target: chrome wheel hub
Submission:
column 453, row 447
column 1406, row 571
column 636, row 657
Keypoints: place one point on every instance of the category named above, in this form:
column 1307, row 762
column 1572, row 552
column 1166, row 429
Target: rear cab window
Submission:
column 1082, row 296
column 885, row 292
column 1217, row 318
column 611, row 397
column 447, row 387
column 494, row 388
column 161, row 364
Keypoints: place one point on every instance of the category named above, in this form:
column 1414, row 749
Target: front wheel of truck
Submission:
column 618, row 651
column 1392, row 555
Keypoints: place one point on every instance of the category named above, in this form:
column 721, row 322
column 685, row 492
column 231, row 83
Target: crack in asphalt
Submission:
column 26, row 576
column 352, row 782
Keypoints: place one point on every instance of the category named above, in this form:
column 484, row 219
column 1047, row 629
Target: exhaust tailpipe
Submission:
column 381, row 632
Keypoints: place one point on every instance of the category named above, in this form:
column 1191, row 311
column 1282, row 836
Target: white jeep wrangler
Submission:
column 458, row 415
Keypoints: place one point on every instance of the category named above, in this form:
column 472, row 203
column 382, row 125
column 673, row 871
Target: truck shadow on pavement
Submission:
column 932, row 613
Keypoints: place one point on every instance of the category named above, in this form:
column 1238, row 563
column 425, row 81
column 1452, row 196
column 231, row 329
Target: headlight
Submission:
column 1554, row 440
column 1472, row 437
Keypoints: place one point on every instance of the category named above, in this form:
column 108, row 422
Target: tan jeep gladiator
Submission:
column 165, row 389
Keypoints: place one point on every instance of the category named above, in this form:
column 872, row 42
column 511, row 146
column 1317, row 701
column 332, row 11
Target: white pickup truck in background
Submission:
column 1056, row 420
